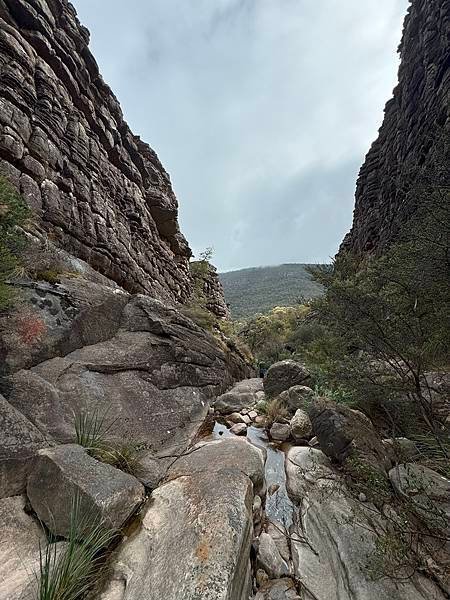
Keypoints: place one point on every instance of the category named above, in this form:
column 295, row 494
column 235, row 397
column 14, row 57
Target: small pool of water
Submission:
column 279, row 507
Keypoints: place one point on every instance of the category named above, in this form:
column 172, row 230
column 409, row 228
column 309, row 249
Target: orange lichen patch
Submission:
column 202, row 551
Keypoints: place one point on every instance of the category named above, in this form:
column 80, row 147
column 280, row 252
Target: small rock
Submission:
column 362, row 497
column 244, row 411
column 235, row 418
column 257, row 503
column 280, row 432
column 239, row 429
column 400, row 449
column 261, row 578
column 313, row 442
column 246, row 419
column 253, row 414
column 301, row 427
column 270, row 558
column 273, row 488
column 260, row 421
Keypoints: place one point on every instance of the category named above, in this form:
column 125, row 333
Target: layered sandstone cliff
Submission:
column 97, row 189
column 416, row 120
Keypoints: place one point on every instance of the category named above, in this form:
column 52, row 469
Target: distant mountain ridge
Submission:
column 258, row 289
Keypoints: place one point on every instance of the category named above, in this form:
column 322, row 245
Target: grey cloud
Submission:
column 261, row 111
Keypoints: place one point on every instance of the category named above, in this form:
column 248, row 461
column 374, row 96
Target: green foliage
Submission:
column 386, row 320
column 258, row 290
column 69, row 573
column 91, row 432
column 200, row 315
column 13, row 213
column 273, row 336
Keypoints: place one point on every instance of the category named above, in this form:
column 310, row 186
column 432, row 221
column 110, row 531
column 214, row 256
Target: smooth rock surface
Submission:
column 19, row 442
column 157, row 374
column 283, row 375
column 269, row 557
column 214, row 456
column 338, row 530
column 195, row 537
column 61, row 474
column 280, row 432
column 20, row 536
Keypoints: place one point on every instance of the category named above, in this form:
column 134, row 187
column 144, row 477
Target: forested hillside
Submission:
column 256, row 290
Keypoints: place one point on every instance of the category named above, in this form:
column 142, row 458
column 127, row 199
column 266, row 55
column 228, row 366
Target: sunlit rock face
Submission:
column 416, row 121
column 98, row 190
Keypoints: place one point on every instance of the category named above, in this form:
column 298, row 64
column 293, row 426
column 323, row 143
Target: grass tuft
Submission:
column 91, row 432
column 69, row 574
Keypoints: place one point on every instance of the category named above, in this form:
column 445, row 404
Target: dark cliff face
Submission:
column 415, row 122
column 98, row 190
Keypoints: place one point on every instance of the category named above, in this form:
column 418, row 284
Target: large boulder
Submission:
column 158, row 373
column 427, row 490
column 62, row 474
column 243, row 394
column 214, row 456
column 195, row 536
column 344, row 433
column 19, row 442
column 283, row 375
column 334, row 537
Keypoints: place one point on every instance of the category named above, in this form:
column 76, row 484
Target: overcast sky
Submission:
column 260, row 110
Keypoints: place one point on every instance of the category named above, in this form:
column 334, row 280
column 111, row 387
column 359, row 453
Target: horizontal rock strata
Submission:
column 97, row 189
column 415, row 122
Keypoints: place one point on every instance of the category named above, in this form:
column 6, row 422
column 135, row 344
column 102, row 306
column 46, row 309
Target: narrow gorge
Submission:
column 134, row 427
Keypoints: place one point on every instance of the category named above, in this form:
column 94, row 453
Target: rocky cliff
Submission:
column 415, row 120
column 97, row 189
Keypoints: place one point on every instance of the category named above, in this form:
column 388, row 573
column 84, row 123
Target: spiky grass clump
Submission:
column 92, row 428
column 434, row 452
column 69, row 574
column 91, row 432
column 275, row 411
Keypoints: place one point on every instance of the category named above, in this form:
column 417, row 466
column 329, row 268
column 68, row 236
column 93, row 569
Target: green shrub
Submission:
column 13, row 213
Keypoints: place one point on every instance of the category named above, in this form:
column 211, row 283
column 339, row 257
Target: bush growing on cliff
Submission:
column 13, row 213
column 386, row 320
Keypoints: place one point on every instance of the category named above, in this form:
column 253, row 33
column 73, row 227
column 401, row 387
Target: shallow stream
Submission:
column 279, row 507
